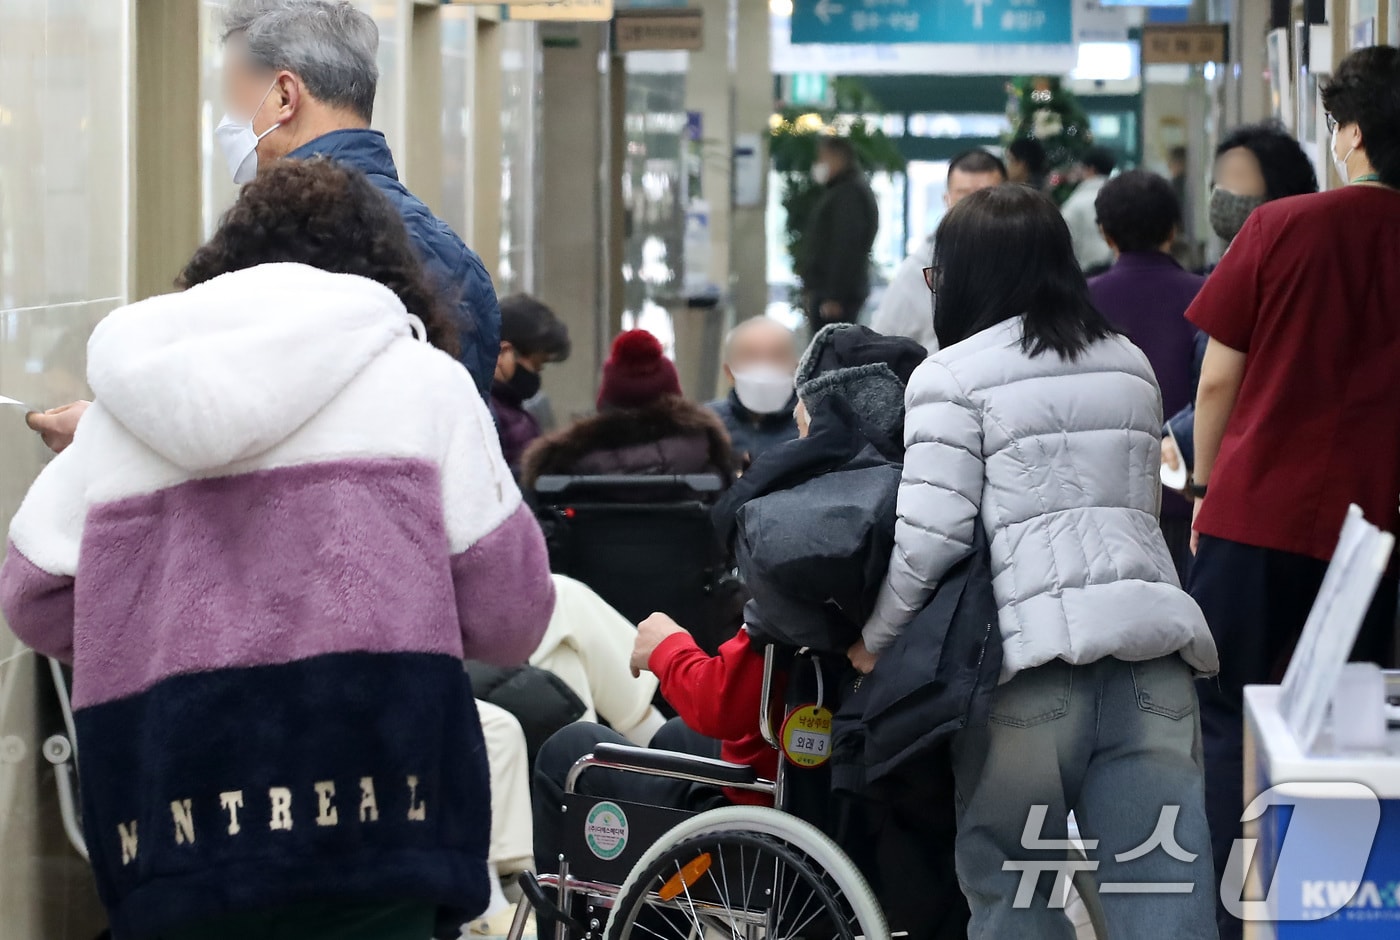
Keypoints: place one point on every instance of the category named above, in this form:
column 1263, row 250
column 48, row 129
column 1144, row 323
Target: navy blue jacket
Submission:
column 455, row 269
column 753, row 435
column 1183, row 423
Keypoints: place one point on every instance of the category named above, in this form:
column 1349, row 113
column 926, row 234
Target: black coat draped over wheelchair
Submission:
column 812, row 525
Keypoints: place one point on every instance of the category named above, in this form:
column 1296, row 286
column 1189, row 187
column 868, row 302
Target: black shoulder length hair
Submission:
column 1005, row 252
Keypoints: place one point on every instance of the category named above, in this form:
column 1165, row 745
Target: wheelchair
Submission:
column 643, row 544
column 60, row 749
column 629, row 871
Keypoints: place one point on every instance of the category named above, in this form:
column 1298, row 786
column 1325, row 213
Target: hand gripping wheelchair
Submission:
column 629, row 871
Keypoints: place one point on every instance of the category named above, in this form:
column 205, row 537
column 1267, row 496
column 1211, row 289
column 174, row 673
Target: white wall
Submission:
column 66, row 102
column 64, row 72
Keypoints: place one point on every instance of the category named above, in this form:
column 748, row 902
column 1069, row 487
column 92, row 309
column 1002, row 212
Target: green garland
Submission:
column 1039, row 107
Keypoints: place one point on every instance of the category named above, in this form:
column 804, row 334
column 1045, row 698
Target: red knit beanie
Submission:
column 637, row 372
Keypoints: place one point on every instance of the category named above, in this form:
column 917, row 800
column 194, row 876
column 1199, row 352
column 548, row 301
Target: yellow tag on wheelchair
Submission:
column 806, row 736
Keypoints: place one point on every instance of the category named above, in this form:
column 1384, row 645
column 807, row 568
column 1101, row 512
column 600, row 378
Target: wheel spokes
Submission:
column 784, row 894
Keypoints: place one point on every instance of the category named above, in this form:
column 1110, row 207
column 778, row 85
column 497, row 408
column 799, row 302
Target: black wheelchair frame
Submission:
column 585, row 878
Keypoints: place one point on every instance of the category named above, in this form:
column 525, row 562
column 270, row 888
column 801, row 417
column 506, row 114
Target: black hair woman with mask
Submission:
column 1255, row 164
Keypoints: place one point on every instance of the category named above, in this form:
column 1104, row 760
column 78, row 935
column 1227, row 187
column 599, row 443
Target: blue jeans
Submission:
column 1116, row 743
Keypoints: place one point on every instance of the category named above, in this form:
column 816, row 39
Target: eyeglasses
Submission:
column 933, row 277
column 1331, row 123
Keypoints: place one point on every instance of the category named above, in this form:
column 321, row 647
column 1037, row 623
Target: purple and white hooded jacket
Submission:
column 279, row 529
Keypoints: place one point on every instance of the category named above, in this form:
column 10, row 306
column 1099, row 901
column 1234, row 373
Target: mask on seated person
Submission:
column 763, row 389
column 525, row 383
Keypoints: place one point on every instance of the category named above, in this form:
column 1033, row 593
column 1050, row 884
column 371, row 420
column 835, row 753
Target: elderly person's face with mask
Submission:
column 760, row 357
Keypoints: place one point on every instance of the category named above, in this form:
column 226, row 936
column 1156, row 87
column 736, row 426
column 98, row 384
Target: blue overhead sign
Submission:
column 947, row 21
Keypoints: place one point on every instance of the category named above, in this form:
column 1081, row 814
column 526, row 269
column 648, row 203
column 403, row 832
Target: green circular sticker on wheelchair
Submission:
column 605, row 832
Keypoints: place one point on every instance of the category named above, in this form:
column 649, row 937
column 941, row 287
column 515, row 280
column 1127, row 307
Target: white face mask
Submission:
column 821, row 174
column 1343, row 170
column 763, row 389
column 239, row 143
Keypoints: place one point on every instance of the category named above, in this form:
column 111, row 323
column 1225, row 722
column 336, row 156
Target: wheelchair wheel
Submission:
column 745, row 873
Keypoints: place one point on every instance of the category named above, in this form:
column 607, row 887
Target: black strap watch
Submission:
column 1196, row 490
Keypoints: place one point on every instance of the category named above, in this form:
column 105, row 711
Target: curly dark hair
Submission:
column 321, row 213
column 1365, row 90
column 1286, row 168
column 1138, row 211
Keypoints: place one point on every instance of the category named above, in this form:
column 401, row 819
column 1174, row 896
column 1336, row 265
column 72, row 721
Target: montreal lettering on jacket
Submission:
column 326, row 802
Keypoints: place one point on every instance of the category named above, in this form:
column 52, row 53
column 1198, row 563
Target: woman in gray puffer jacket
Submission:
column 1041, row 424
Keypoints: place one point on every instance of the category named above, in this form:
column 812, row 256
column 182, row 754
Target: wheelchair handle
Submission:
column 542, row 904
column 765, row 715
column 58, row 751
column 556, row 485
column 61, row 750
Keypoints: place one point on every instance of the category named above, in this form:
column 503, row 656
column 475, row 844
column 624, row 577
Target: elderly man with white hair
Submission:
column 299, row 81
column 760, row 357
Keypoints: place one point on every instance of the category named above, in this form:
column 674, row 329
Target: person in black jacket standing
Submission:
column 836, row 275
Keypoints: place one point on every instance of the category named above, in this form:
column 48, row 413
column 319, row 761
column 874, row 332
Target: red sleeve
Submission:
column 1227, row 308
column 717, row 696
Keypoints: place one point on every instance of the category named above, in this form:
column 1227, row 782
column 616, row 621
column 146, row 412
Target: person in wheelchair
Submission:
column 851, row 392
column 644, row 426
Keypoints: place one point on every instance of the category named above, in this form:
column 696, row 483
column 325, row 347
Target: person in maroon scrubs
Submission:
column 1298, row 414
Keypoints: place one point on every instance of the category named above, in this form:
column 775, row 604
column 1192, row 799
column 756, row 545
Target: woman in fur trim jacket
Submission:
column 644, row 427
